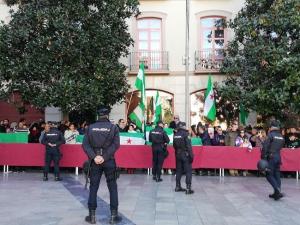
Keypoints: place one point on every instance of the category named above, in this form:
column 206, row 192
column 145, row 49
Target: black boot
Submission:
column 57, row 178
column 158, row 179
column 272, row 195
column 154, row 177
column 114, row 218
column 91, row 218
column 45, row 178
column 277, row 195
column 189, row 190
column 179, row 188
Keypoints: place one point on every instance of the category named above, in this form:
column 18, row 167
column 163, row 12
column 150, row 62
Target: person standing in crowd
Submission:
column 292, row 140
column 242, row 141
column 4, row 127
column 83, row 127
column 174, row 123
column 52, row 139
column 132, row 128
column 184, row 158
column 159, row 140
column 219, row 137
column 122, row 125
column 46, row 129
column 71, row 134
column 34, row 134
column 230, row 138
column 271, row 152
column 261, row 137
column 253, row 136
column 100, row 143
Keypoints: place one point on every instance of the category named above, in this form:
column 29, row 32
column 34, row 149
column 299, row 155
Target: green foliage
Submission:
column 263, row 59
column 66, row 53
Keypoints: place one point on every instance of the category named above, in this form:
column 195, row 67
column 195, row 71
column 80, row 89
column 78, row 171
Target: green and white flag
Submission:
column 138, row 114
column 157, row 114
column 132, row 138
column 209, row 104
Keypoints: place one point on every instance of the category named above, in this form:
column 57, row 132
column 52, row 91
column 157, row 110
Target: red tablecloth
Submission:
column 141, row 157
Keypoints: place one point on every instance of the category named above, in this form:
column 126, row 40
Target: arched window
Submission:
column 167, row 103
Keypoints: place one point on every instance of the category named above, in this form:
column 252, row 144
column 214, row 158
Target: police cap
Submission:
column 275, row 124
column 181, row 125
column 160, row 122
column 103, row 110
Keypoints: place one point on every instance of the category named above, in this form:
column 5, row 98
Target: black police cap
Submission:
column 181, row 125
column 103, row 110
column 160, row 122
column 275, row 123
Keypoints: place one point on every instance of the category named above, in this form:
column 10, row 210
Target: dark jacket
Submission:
column 273, row 144
column 102, row 138
column 159, row 138
column 182, row 143
column 219, row 140
column 54, row 136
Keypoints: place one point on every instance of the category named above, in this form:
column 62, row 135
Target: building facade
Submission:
column 159, row 35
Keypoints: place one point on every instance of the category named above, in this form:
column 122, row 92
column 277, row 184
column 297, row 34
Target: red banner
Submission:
column 137, row 156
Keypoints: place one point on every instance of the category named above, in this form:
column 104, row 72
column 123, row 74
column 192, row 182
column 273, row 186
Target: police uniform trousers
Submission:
column 273, row 175
column 157, row 161
column 52, row 154
column 183, row 165
column 109, row 168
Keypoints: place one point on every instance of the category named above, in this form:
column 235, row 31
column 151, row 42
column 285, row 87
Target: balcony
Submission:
column 154, row 61
column 209, row 60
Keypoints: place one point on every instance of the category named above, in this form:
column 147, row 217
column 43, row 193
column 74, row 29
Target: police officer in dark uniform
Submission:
column 159, row 140
column 271, row 152
column 100, row 143
column 184, row 157
column 52, row 139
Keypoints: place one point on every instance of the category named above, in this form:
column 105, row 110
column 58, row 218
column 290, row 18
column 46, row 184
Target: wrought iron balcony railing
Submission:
column 153, row 60
column 209, row 60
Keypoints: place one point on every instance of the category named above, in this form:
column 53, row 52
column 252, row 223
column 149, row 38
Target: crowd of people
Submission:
column 235, row 135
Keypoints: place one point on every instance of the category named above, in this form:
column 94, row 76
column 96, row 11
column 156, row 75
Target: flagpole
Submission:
column 187, row 82
column 129, row 105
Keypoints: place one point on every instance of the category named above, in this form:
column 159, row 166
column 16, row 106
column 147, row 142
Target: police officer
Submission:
column 52, row 139
column 271, row 152
column 184, row 158
column 159, row 140
column 100, row 143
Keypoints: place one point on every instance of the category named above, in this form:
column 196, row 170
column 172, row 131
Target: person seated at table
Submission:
column 71, row 134
column 34, row 134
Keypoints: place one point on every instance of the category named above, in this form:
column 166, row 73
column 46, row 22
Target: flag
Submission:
column 157, row 114
column 132, row 138
column 209, row 104
column 138, row 114
column 243, row 115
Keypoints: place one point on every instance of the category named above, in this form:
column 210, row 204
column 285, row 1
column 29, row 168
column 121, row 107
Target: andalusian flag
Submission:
column 138, row 114
column 157, row 114
column 243, row 115
column 209, row 104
